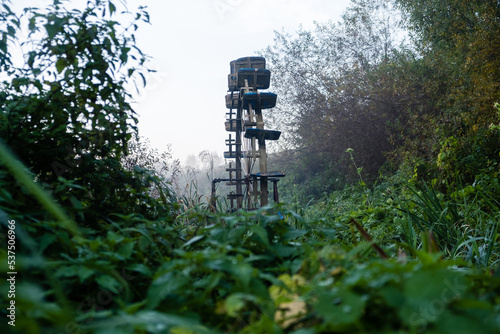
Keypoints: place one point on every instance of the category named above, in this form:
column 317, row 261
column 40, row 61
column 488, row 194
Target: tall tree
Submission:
column 332, row 95
column 458, row 41
column 65, row 105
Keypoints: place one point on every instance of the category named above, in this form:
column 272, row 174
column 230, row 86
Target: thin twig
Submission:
column 367, row 237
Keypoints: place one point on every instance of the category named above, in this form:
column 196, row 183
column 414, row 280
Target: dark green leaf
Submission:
column 112, row 8
column 60, row 65
column 109, row 283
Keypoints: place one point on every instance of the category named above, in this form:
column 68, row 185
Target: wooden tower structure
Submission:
column 246, row 101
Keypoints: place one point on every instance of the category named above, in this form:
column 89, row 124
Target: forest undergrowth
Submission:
column 400, row 258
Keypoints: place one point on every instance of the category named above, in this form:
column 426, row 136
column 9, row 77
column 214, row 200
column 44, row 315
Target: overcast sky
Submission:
column 192, row 42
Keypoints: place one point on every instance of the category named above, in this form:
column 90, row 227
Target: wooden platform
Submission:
column 244, row 154
column 262, row 134
column 244, row 62
column 232, row 100
column 234, row 196
column 231, row 125
column 269, row 174
column 257, row 78
column 259, row 100
column 247, row 62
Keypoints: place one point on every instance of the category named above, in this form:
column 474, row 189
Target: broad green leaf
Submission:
column 234, row 304
column 133, row 308
column 32, row 24
column 304, row 331
column 126, row 250
column 430, row 289
column 112, row 8
column 243, row 272
column 293, row 234
column 115, row 237
column 150, row 321
column 284, row 251
column 181, row 330
column 162, row 286
column 124, row 54
column 236, row 233
column 140, row 268
column 52, row 29
column 260, row 232
column 83, row 273
column 482, row 323
column 11, row 31
column 60, row 65
column 108, row 283
column 339, row 307
column 193, row 240
column 67, row 271
column 46, row 240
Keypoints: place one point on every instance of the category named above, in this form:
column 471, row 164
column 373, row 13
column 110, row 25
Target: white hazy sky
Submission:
column 192, row 42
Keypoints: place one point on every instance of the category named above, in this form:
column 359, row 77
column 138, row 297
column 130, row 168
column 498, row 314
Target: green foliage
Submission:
column 269, row 270
column 425, row 108
column 103, row 247
column 334, row 97
column 66, row 109
column 456, row 41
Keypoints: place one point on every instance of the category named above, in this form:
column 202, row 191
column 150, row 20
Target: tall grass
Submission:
column 463, row 228
column 462, row 225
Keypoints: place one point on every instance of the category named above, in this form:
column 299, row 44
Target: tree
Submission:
column 425, row 108
column 65, row 107
column 160, row 168
column 333, row 95
column 458, row 41
column 210, row 160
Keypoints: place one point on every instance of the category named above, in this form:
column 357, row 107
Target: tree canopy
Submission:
column 65, row 103
column 405, row 84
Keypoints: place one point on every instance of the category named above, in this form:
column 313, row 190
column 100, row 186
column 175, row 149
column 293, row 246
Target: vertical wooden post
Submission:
column 212, row 199
column 239, row 190
column 262, row 157
column 263, row 170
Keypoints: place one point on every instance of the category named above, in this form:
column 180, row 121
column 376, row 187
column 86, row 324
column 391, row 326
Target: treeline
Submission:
column 410, row 86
